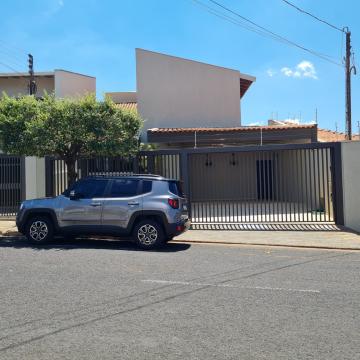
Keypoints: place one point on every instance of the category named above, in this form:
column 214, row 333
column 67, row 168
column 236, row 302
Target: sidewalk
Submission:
column 337, row 239
column 334, row 239
column 8, row 227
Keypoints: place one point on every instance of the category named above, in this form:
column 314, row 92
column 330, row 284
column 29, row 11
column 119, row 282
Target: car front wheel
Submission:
column 39, row 230
column 148, row 234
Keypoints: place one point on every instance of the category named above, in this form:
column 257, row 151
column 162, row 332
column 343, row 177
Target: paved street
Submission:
column 107, row 300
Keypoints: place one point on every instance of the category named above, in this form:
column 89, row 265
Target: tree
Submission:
column 67, row 128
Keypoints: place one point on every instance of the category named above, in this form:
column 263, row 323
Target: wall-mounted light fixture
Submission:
column 232, row 160
column 208, row 161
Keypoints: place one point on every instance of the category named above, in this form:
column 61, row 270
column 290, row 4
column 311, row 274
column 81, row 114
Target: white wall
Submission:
column 35, row 177
column 350, row 152
column 69, row 84
column 19, row 86
column 175, row 92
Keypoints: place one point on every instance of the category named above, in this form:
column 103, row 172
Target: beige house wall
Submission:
column 214, row 177
column 351, row 183
column 69, row 84
column 16, row 86
column 175, row 92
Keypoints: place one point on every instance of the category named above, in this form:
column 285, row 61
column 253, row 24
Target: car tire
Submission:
column 148, row 234
column 39, row 230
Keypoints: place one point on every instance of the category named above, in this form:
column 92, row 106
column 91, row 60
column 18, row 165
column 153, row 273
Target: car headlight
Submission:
column 22, row 206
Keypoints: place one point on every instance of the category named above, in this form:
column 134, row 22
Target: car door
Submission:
column 123, row 199
column 85, row 211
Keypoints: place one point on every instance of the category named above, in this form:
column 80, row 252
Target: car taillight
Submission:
column 174, row 203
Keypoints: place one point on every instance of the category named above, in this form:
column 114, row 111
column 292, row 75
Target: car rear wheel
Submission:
column 148, row 234
column 39, row 230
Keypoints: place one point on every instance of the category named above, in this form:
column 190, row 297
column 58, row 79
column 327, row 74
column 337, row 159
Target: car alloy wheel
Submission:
column 147, row 235
column 38, row 230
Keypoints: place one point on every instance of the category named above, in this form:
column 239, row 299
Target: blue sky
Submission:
column 99, row 37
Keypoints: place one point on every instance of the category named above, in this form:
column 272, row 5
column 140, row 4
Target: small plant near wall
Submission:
column 67, row 128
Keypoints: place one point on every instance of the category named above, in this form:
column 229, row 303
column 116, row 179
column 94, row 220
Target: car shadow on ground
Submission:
column 85, row 243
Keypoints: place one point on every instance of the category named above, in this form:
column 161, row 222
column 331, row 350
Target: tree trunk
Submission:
column 71, row 170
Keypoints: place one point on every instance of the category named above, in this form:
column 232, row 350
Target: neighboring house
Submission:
column 62, row 83
column 333, row 136
column 173, row 92
column 323, row 135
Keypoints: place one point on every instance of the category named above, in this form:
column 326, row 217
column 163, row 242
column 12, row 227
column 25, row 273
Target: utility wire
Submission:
column 313, row 16
column 21, row 75
column 260, row 29
column 13, row 60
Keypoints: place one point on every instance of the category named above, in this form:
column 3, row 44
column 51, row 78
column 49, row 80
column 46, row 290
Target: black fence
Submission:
column 298, row 183
column 12, row 183
column 161, row 164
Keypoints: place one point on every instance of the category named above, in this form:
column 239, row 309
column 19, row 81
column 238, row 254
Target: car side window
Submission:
column 124, row 188
column 146, row 186
column 88, row 189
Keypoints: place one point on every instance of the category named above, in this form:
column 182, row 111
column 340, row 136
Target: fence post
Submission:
column 337, row 187
column 135, row 164
column 184, row 176
column 22, row 179
column 150, row 164
column 49, row 176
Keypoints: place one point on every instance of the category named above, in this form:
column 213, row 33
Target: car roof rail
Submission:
column 123, row 174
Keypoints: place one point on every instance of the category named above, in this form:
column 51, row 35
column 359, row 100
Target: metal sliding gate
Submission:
column 262, row 186
column 12, row 183
column 268, row 184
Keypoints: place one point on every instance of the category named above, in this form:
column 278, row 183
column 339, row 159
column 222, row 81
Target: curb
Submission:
column 10, row 233
column 267, row 245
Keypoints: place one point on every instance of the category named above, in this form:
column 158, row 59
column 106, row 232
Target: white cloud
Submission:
column 271, row 72
column 303, row 69
column 308, row 69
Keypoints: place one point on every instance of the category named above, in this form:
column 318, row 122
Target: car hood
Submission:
column 41, row 202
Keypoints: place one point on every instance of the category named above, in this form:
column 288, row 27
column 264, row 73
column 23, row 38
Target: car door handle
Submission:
column 95, row 204
column 133, row 203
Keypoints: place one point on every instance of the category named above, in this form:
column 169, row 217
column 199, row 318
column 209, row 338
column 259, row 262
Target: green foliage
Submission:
column 67, row 128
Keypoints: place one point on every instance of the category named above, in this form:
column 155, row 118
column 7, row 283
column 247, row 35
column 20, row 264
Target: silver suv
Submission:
column 148, row 208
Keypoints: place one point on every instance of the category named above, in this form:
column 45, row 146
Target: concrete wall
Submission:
column 175, row 92
column 15, row 86
column 350, row 152
column 69, row 84
column 35, row 177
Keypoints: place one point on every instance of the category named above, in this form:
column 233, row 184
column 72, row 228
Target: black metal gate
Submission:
column 268, row 185
column 12, row 183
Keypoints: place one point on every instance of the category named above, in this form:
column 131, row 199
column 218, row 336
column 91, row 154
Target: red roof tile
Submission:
column 132, row 106
column 325, row 135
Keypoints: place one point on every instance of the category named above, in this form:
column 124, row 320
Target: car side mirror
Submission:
column 73, row 195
